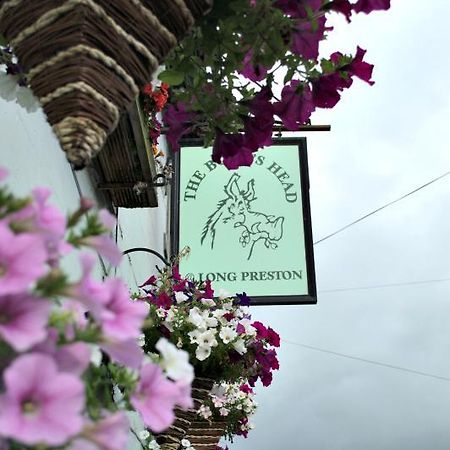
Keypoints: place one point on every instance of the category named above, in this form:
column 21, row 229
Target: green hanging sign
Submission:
column 249, row 229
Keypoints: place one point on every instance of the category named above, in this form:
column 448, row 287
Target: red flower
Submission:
column 147, row 89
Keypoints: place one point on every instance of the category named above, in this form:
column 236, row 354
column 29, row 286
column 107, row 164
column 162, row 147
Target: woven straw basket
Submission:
column 86, row 59
column 201, row 434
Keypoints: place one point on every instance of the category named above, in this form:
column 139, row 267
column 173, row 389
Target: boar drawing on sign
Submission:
column 235, row 210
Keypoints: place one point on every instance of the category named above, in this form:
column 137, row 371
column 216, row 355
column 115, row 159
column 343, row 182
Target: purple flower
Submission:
column 258, row 128
column 367, row 6
column 254, row 72
column 244, row 299
column 178, row 119
column 231, row 150
column 261, row 330
column 296, row 105
column 341, row 6
column 121, row 318
column 326, row 89
column 306, row 37
column 155, row 398
column 360, row 68
column 296, row 8
column 150, row 282
column 23, row 320
column 163, row 301
column 40, row 404
column 22, row 260
column 273, row 338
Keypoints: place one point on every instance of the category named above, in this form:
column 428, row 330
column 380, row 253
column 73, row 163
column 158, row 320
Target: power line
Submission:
column 381, row 208
column 379, row 286
column 368, row 361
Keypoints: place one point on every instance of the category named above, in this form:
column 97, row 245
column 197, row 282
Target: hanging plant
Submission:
column 252, row 62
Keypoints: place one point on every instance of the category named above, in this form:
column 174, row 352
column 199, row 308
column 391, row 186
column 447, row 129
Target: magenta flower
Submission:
column 23, row 320
column 231, row 150
column 121, row 318
column 360, row 68
column 258, row 128
column 22, row 260
column 273, row 338
column 163, row 301
column 261, row 330
column 155, row 398
column 296, row 105
column 40, row 404
column 327, row 87
column 306, row 37
column 367, row 6
column 178, row 119
column 250, row 70
column 341, row 6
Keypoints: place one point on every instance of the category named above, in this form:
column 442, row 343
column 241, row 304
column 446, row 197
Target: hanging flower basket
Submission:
column 86, row 59
column 184, row 421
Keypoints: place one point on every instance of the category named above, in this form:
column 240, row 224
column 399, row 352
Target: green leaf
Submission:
column 171, row 77
column 3, row 41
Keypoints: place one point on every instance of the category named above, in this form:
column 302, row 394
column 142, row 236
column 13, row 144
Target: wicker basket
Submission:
column 86, row 59
column 171, row 438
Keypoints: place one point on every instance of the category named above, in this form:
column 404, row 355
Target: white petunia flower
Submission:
column 141, row 340
column 208, row 301
column 240, row 347
column 143, row 435
column 223, row 412
column 193, row 335
column 227, row 334
column 26, row 99
column 205, row 412
column 223, row 294
column 153, row 445
column 211, row 322
column 175, row 361
column 202, row 352
column 207, row 338
column 197, row 318
column 180, row 297
column 8, row 87
column 185, row 443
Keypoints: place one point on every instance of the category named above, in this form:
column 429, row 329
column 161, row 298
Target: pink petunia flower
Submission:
column 23, row 320
column 155, row 398
column 120, row 317
column 22, row 260
column 3, row 173
column 45, row 220
column 41, row 404
column 104, row 245
column 73, row 358
column 128, row 352
column 88, row 291
column 109, row 433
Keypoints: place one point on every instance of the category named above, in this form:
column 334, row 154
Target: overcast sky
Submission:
column 385, row 141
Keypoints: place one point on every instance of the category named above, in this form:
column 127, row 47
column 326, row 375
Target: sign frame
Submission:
column 174, row 230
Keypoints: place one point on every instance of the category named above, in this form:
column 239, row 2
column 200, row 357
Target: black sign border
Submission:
column 308, row 299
